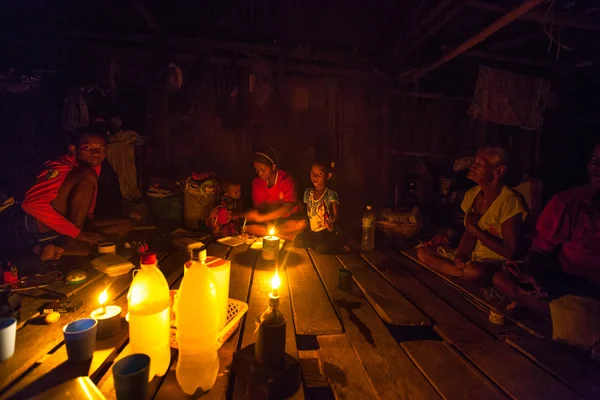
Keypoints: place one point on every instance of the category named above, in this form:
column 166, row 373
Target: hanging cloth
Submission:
column 510, row 99
column 121, row 155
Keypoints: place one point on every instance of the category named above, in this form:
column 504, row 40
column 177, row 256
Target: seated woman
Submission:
column 494, row 216
column 275, row 199
column 570, row 223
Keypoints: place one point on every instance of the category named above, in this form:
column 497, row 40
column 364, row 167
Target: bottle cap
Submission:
column 149, row 258
column 199, row 255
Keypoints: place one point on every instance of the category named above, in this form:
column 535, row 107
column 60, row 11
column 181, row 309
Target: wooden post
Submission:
column 478, row 38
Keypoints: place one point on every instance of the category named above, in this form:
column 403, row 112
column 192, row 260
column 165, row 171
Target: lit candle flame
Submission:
column 272, row 231
column 275, row 282
column 103, row 298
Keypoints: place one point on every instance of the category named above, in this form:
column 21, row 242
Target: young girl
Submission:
column 322, row 205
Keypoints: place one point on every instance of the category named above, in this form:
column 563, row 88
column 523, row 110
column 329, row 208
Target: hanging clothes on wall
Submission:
column 507, row 98
column 75, row 110
column 121, row 155
column 231, row 108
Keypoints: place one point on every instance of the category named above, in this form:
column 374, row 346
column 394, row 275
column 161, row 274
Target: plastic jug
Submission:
column 197, row 318
column 368, row 227
column 149, row 327
column 220, row 270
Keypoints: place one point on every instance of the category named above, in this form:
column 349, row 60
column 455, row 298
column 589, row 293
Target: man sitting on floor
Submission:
column 63, row 200
column 494, row 216
column 570, row 223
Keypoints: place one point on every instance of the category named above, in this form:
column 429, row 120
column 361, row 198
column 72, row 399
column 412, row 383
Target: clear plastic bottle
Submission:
column 197, row 318
column 148, row 301
column 368, row 230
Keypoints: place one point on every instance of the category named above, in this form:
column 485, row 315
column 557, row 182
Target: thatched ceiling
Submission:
column 393, row 35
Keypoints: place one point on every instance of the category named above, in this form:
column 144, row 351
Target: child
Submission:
column 223, row 219
column 322, row 206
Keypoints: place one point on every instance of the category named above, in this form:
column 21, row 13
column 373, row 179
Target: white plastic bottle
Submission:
column 368, row 230
column 197, row 318
column 149, row 328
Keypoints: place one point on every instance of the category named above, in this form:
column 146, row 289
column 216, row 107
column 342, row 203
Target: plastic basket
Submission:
column 397, row 229
column 235, row 311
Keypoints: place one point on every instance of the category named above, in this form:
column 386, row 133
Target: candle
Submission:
column 220, row 271
column 270, row 247
column 108, row 317
column 269, row 351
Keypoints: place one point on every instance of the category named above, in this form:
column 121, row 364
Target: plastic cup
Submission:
column 8, row 335
column 80, row 339
column 345, row 279
column 131, row 376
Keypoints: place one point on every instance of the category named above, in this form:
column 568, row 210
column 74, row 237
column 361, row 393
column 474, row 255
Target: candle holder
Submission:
column 270, row 248
column 109, row 321
column 265, row 365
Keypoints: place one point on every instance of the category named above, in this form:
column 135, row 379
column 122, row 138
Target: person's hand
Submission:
column 90, row 238
column 329, row 225
column 460, row 262
column 471, row 221
column 254, row 216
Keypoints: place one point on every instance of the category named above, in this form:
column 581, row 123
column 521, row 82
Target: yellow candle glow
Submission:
column 272, row 232
column 102, row 299
column 275, row 282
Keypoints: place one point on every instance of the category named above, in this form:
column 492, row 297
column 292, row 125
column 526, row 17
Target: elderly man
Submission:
column 494, row 216
column 570, row 224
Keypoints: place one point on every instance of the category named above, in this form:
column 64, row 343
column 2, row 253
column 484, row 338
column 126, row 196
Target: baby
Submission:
column 223, row 219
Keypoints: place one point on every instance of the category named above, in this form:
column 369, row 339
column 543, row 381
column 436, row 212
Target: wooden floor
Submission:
column 402, row 332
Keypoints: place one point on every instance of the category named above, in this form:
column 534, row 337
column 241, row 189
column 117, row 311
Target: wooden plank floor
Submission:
column 449, row 374
column 388, row 368
column 574, row 370
column 513, row 373
column 578, row 371
column 342, row 369
column 537, row 326
column 313, row 312
column 391, row 306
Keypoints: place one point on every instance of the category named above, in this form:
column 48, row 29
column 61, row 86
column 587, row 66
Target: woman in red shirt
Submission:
column 570, row 227
column 275, row 199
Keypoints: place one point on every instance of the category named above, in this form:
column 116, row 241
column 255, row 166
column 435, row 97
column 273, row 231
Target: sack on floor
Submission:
column 576, row 320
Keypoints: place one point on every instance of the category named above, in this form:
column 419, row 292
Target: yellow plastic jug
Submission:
column 149, row 327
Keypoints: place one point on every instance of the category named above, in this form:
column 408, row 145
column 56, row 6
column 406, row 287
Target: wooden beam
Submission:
column 418, row 41
column 525, row 61
column 478, row 38
column 516, row 41
column 146, row 15
column 557, row 19
column 418, row 28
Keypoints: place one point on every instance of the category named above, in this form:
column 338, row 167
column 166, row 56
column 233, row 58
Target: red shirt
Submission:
column 38, row 200
column 570, row 223
column 282, row 191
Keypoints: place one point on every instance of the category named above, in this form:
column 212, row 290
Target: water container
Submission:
column 197, row 318
column 149, row 327
column 220, row 270
column 368, row 228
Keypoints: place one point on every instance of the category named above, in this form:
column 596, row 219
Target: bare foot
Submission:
column 51, row 252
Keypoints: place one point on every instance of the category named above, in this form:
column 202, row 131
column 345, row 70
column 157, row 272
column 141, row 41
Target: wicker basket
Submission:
column 399, row 230
column 235, row 311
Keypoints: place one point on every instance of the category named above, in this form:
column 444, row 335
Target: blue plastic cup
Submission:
column 131, row 376
column 80, row 339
